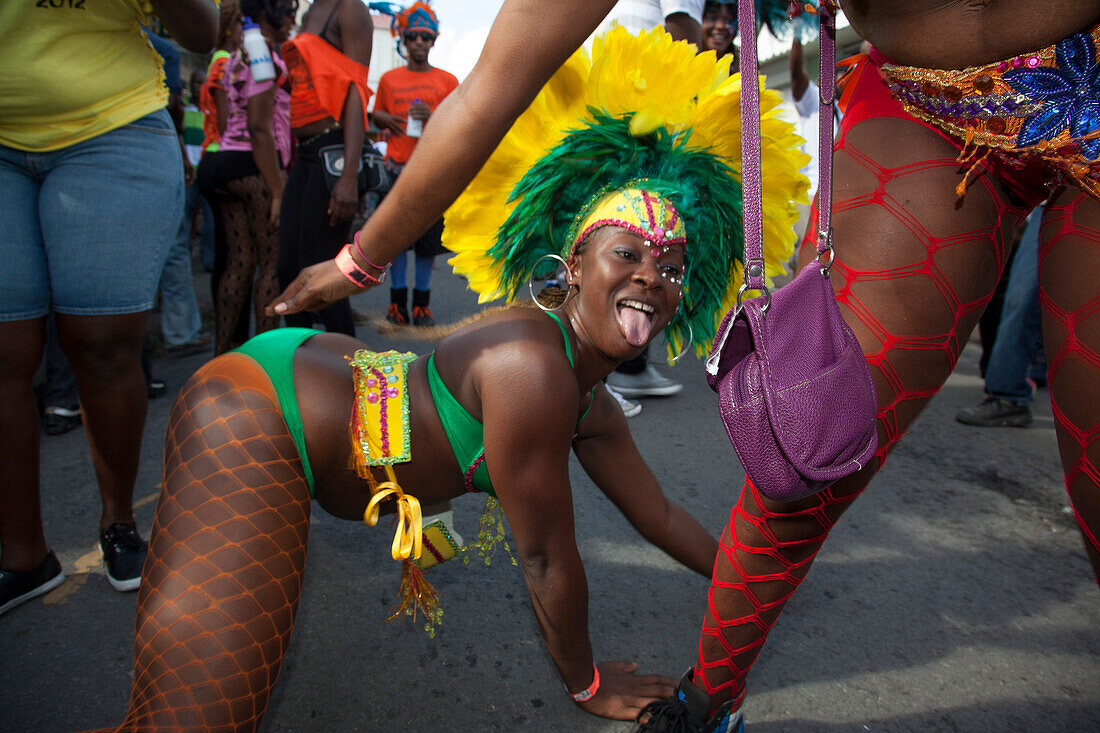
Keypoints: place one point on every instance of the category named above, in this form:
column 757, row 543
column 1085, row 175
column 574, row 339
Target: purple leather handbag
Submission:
column 794, row 390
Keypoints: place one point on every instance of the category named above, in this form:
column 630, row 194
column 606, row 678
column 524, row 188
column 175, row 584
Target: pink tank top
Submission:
column 239, row 88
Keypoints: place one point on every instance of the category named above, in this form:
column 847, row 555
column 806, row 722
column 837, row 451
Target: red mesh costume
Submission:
column 915, row 268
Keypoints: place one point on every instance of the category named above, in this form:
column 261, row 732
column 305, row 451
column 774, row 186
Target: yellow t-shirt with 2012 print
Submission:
column 74, row 69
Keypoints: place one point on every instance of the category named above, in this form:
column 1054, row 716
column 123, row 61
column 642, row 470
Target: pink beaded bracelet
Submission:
column 359, row 249
column 352, row 271
column 586, row 695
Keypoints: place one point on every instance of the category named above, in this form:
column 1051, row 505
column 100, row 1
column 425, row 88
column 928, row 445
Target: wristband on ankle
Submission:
column 352, row 271
column 586, row 695
column 363, row 256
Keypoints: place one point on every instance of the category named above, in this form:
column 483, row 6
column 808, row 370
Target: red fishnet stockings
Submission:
column 223, row 575
column 759, row 566
column 1070, row 298
column 913, row 274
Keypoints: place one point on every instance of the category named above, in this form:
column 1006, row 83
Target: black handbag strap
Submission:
column 753, row 215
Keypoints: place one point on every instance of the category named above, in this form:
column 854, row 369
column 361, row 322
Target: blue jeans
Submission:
column 180, row 319
column 86, row 228
column 1020, row 334
column 399, row 272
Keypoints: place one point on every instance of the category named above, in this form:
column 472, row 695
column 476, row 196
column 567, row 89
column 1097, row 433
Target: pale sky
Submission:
column 463, row 28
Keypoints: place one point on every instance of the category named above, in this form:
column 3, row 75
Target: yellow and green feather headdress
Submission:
column 644, row 112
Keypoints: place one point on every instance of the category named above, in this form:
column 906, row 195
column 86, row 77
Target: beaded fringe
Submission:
column 417, row 596
column 490, row 534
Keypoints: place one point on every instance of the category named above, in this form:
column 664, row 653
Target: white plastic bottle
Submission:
column 259, row 55
column 414, row 125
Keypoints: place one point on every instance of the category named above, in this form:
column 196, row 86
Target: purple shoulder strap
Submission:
column 750, row 138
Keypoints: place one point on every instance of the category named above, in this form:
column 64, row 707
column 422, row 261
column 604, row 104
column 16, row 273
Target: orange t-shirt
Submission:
column 398, row 89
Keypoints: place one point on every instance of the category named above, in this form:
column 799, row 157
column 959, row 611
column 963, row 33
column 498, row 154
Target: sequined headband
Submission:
column 646, row 214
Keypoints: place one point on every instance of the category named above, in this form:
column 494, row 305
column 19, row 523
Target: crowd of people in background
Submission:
column 255, row 184
column 88, row 173
column 268, row 160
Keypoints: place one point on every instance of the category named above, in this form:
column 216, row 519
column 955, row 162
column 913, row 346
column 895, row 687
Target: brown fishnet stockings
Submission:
column 223, row 576
column 252, row 249
column 912, row 275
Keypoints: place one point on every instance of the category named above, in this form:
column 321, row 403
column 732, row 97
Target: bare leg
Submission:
column 1069, row 260
column 105, row 353
column 21, row 538
column 223, row 576
column 912, row 275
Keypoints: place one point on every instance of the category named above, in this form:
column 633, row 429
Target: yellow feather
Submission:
column 658, row 82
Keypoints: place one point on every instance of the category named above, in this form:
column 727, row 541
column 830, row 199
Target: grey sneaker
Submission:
column 629, row 407
column 204, row 340
column 648, row 383
column 996, row 413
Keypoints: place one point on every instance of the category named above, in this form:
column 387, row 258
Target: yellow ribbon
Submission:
column 408, row 540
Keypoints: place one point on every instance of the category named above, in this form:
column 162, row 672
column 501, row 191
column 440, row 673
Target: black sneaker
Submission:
column 422, row 316
column 17, row 587
column 124, row 552
column 397, row 315
column 60, row 420
column 996, row 413
column 686, row 712
column 155, row 387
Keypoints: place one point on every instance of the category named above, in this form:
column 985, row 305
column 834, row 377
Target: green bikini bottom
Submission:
column 274, row 352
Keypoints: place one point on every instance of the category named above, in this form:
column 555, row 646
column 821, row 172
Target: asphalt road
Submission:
column 954, row 596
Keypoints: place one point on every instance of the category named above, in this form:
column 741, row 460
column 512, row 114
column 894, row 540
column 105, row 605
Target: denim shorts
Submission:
column 86, row 228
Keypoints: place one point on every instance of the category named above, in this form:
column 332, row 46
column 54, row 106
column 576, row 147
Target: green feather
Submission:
column 601, row 156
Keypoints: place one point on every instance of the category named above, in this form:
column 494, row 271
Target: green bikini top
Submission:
column 465, row 434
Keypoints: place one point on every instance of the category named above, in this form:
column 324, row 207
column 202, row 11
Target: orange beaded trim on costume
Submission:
column 999, row 108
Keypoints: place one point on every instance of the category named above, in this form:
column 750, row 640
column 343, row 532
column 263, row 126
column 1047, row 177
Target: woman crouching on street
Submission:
column 644, row 213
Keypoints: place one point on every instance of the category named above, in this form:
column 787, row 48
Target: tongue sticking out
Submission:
column 635, row 325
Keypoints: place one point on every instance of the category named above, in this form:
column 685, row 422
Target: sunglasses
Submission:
column 423, row 36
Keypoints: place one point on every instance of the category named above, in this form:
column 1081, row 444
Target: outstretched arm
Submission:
column 608, row 454
column 527, row 437
column 465, row 130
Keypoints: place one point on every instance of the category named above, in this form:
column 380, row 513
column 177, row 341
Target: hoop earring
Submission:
column 672, row 362
column 531, row 287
